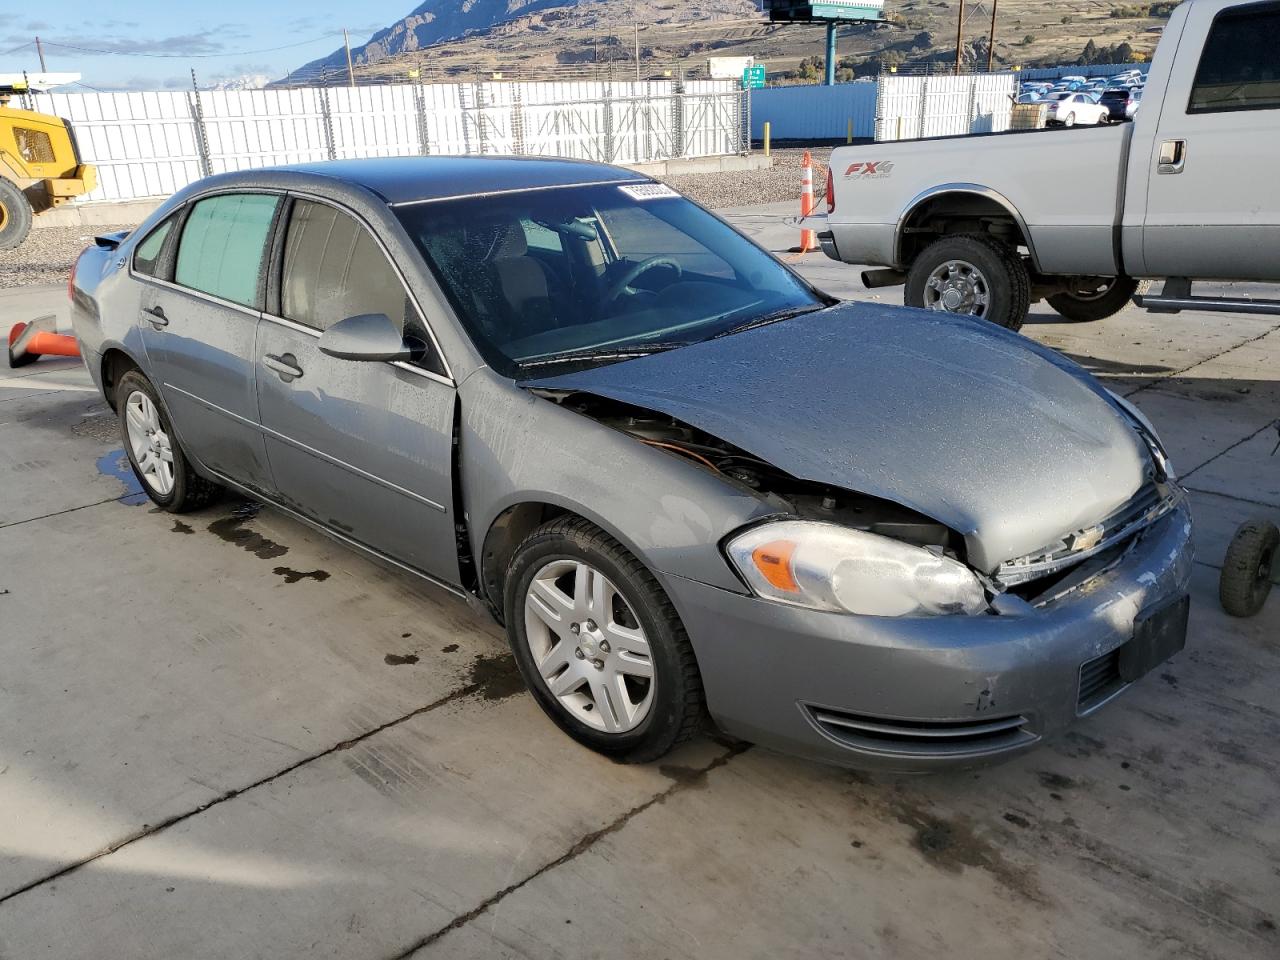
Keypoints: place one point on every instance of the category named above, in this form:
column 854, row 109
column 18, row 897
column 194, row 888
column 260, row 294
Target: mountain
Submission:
column 579, row 39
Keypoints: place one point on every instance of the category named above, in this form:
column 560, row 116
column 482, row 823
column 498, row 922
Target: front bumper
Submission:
column 911, row 695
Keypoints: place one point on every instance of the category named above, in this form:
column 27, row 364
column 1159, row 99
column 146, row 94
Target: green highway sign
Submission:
column 753, row 77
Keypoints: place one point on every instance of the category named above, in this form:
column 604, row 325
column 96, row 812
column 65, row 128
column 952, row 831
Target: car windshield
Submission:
column 550, row 279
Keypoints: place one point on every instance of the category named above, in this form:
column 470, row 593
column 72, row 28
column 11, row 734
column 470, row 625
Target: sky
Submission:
column 153, row 45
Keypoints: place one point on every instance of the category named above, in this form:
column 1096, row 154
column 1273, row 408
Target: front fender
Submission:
column 519, row 448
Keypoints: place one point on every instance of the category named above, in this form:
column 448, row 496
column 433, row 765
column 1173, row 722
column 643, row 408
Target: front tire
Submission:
column 1095, row 300
column 15, row 215
column 599, row 644
column 157, row 458
column 972, row 274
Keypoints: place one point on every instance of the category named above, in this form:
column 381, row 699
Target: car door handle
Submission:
column 1173, row 157
column 156, row 317
column 286, row 365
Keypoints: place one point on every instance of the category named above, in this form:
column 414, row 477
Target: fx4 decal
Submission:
column 871, row 170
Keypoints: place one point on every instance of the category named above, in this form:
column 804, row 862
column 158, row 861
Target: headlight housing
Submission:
column 825, row 566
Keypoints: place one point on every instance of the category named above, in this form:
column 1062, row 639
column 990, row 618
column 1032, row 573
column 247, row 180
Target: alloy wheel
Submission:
column 957, row 286
column 588, row 646
column 149, row 442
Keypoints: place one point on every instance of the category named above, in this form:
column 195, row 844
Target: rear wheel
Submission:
column 972, row 274
column 15, row 215
column 153, row 450
column 1070, row 121
column 599, row 644
column 1094, row 298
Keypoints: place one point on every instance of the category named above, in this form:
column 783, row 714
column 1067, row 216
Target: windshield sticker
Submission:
column 648, row 191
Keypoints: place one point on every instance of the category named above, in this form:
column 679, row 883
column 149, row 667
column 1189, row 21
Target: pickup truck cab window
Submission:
column 1239, row 69
column 222, row 245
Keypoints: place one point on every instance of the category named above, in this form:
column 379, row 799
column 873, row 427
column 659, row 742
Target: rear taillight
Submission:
column 831, row 192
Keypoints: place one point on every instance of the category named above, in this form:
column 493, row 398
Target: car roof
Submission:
column 410, row 179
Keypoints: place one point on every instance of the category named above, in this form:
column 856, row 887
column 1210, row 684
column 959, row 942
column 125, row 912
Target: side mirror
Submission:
column 369, row 336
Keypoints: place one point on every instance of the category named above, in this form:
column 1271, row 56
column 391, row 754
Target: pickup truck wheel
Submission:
column 1095, row 299
column 971, row 274
column 15, row 215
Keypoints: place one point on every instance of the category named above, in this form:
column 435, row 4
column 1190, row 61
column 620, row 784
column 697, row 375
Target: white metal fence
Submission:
column 909, row 108
column 151, row 144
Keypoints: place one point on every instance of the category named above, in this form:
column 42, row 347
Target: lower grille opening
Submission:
column 922, row 738
column 1099, row 679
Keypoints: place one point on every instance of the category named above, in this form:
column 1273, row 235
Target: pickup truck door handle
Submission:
column 286, row 365
column 1173, row 157
column 156, row 317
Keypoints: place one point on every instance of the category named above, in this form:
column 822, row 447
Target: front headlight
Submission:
column 829, row 567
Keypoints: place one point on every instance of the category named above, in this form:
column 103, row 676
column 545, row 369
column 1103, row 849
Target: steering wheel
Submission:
column 633, row 273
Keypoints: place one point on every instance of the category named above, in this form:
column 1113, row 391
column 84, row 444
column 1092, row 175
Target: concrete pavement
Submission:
column 224, row 735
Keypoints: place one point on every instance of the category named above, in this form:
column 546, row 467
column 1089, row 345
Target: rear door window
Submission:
column 222, row 246
column 1240, row 68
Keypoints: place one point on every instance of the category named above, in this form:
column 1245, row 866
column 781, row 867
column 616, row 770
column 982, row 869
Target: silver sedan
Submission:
column 687, row 482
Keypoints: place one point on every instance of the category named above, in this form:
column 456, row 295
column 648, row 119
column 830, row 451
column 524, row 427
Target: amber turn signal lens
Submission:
column 773, row 560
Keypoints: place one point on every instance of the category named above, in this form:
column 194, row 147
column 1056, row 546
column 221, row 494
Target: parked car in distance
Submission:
column 1135, row 101
column 1069, row 109
column 682, row 477
column 1117, row 103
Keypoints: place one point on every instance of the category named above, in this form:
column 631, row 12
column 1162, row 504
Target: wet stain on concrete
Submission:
column 685, row 776
column 400, row 659
column 1170, row 679
column 1054, row 781
column 232, row 529
column 116, row 464
column 449, row 648
column 1017, row 820
column 180, row 527
column 496, row 677
column 951, row 845
column 1082, row 745
column 293, row 576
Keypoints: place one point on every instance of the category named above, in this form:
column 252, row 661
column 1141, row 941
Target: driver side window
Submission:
column 334, row 269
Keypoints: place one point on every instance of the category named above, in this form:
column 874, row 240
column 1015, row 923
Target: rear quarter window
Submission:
column 146, row 257
column 222, row 245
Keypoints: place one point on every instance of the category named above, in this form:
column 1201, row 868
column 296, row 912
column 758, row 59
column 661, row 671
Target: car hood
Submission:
column 983, row 430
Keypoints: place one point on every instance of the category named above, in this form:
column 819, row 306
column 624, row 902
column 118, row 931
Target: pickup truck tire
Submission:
column 15, row 215
column 1086, row 308
column 999, row 269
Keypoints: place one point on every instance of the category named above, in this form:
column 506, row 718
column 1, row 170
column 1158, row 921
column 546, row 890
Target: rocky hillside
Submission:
column 550, row 39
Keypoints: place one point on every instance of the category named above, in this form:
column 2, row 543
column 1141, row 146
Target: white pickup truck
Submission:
column 1189, row 191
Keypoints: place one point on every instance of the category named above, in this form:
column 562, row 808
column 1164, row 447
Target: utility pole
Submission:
column 959, row 36
column 636, row 24
column 991, row 44
column 40, row 51
column 351, row 72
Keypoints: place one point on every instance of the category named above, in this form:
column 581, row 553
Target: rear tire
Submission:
column 1083, row 307
column 1070, row 121
column 148, row 437
column 570, row 667
column 1246, row 570
column 999, row 266
column 15, row 215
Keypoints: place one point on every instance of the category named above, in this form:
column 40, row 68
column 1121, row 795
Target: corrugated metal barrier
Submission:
column 152, row 144
column 939, row 106
column 814, row 112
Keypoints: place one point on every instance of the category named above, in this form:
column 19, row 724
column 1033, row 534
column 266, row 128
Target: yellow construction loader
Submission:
column 40, row 167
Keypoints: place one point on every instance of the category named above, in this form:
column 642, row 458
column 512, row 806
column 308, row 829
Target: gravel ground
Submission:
column 47, row 254
column 779, row 182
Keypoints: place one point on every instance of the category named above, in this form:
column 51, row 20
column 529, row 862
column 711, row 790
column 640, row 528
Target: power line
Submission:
column 183, row 56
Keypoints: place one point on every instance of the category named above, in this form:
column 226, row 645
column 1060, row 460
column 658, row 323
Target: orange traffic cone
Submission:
column 28, row 342
column 808, row 239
